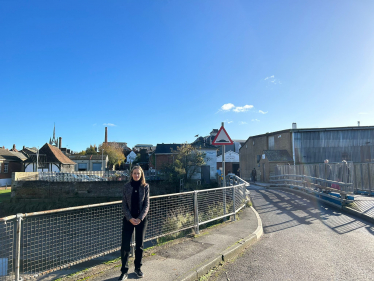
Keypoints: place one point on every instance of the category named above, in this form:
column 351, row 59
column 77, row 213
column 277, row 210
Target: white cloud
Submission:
column 272, row 76
column 228, row 122
column 243, row 108
column 243, row 123
column 109, row 124
column 227, row 106
column 255, row 120
column 94, row 124
column 273, row 80
column 263, row 112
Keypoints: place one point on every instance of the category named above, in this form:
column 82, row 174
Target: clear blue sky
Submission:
column 165, row 71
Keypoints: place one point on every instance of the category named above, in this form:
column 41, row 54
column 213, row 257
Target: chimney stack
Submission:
column 294, row 126
column 59, row 142
column 14, row 147
column 358, row 123
column 23, row 147
column 106, row 134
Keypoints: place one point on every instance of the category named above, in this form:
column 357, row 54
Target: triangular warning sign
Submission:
column 222, row 138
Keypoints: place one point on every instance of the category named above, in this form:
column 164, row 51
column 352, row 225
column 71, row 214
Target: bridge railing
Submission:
column 34, row 244
column 329, row 189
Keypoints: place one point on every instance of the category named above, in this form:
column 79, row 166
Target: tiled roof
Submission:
column 278, row 155
column 166, row 148
column 11, row 156
column 200, row 142
column 55, row 155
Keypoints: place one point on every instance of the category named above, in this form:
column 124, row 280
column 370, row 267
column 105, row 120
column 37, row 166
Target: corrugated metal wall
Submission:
column 356, row 145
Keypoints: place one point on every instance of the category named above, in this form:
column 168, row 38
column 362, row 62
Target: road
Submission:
column 303, row 240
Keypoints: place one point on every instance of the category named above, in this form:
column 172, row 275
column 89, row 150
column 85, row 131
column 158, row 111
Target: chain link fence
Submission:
column 51, row 240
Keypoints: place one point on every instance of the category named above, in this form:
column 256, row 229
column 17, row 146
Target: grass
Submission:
column 5, row 194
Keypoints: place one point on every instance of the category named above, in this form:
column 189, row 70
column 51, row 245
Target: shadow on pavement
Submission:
column 300, row 210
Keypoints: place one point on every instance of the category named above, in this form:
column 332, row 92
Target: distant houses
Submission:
column 10, row 161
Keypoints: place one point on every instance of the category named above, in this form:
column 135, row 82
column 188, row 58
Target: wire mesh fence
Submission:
column 55, row 239
column 7, row 238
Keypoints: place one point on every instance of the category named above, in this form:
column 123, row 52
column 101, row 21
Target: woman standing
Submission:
column 135, row 205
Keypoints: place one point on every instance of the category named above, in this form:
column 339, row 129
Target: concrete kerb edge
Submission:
column 228, row 254
column 358, row 214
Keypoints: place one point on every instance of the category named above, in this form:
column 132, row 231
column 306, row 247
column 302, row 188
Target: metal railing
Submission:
column 37, row 243
column 361, row 175
column 337, row 191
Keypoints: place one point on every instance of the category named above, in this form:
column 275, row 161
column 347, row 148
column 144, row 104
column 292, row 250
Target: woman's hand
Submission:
column 135, row 221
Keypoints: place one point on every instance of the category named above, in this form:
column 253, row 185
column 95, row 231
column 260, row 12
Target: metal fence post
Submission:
column 196, row 213
column 18, row 247
column 233, row 202
column 133, row 243
column 362, row 178
column 369, row 179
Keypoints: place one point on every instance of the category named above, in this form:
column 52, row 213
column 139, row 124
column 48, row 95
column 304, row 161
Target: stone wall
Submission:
column 57, row 190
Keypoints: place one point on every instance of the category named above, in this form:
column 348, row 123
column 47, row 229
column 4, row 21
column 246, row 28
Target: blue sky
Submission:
column 165, row 71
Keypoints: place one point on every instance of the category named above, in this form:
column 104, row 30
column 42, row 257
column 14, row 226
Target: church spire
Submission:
column 54, row 140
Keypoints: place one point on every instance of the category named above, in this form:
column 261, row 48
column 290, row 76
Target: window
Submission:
column 5, row 168
column 258, row 158
column 271, row 143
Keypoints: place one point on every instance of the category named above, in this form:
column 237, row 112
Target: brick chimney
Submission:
column 14, row 147
column 106, row 134
column 59, row 142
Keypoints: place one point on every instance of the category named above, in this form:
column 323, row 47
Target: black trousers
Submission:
column 127, row 230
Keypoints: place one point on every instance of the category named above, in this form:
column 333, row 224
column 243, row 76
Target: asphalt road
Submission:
column 303, row 240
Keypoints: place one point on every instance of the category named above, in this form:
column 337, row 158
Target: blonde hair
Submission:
column 142, row 178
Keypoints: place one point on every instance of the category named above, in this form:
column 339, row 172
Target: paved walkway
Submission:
column 187, row 258
column 362, row 206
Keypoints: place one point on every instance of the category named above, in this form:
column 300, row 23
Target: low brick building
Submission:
column 10, row 161
column 164, row 154
column 253, row 153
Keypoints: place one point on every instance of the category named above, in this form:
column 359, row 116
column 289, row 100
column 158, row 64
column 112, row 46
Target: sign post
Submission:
column 222, row 138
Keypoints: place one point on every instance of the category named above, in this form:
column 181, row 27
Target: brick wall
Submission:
column 255, row 146
column 12, row 167
column 162, row 159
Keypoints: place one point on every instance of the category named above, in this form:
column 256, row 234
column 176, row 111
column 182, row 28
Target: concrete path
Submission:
column 304, row 239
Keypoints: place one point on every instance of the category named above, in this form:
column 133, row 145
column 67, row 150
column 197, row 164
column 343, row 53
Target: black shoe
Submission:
column 139, row 273
column 123, row 276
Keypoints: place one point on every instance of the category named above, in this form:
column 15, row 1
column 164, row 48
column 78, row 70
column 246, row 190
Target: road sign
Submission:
column 222, row 138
